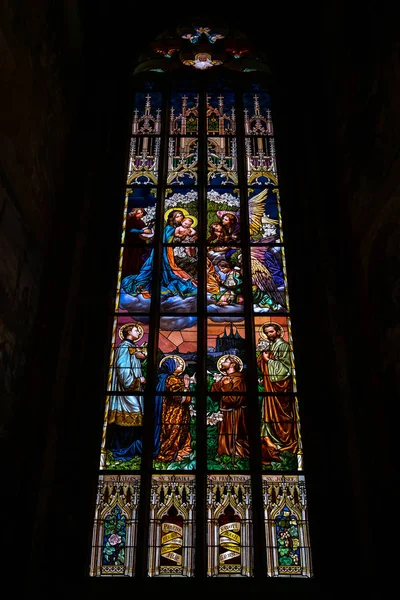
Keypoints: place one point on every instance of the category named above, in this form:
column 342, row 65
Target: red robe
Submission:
column 232, row 430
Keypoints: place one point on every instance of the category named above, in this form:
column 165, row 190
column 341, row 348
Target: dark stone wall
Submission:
column 63, row 143
column 40, row 75
column 32, row 109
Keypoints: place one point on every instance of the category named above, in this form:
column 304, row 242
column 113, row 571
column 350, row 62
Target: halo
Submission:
column 178, row 359
column 123, row 327
column 262, row 334
column 235, row 358
column 222, row 213
column 193, row 219
column 183, row 210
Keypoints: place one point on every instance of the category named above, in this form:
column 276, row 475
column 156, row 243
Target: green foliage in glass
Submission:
column 114, row 538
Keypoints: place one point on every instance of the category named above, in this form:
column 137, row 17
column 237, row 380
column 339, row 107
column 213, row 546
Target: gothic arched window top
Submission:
column 202, row 45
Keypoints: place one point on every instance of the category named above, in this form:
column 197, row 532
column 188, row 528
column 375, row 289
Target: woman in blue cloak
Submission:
column 172, row 441
column 174, row 280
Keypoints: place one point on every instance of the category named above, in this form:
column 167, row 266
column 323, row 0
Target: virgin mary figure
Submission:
column 174, row 280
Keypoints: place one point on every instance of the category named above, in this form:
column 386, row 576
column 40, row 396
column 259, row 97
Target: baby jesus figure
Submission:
column 186, row 233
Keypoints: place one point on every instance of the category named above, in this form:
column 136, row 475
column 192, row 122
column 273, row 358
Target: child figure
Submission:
column 186, row 233
column 230, row 282
column 216, row 233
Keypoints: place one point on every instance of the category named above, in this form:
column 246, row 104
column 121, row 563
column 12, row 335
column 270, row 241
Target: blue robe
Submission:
column 125, row 414
column 167, row 368
column 174, row 281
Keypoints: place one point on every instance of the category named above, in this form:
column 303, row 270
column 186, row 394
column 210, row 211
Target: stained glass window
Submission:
column 201, row 406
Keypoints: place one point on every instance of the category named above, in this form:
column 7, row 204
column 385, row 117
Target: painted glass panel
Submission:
column 268, row 279
column 227, row 430
column 184, row 200
column 222, row 161
column 224, row 279
column 220, row 115
column 264, row 215
column 261, row 161
column 178, row 282
column 178, row 336
column 274, row 354
column 281, row 447
column 171, row 328
column 178, row 286
column 226, row 354
column 138, row 232
column 144, row 160
column 136, row 257
column 175, row 404
column 147, row 113
column 223, row 216
column 179, row 260
column 115, row 526
column 182, row 161
column 172, row 526
column 229, row 520
column 184, row 113
column 139, row 216
column 286, row 526
column 124, row 408
column 257, row 114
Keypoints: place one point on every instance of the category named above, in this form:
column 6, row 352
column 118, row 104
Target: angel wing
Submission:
column 257, row 212
column 262, row 279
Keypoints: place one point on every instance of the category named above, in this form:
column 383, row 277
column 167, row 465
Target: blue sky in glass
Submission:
column 228, row 101
column 176, row 101
column 263, row 99
column 140, row 102
column 141, row 197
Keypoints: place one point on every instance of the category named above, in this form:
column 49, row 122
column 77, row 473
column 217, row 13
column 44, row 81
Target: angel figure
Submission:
column 266, row 293
column 259, row 222
column 261, row 226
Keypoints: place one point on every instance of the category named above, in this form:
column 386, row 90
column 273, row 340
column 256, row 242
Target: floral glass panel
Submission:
column 229, row 520
column 172, row 526
column 286, row 526
column 115, row 526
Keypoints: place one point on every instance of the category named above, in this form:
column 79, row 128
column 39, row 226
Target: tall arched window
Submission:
column 201, row 463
